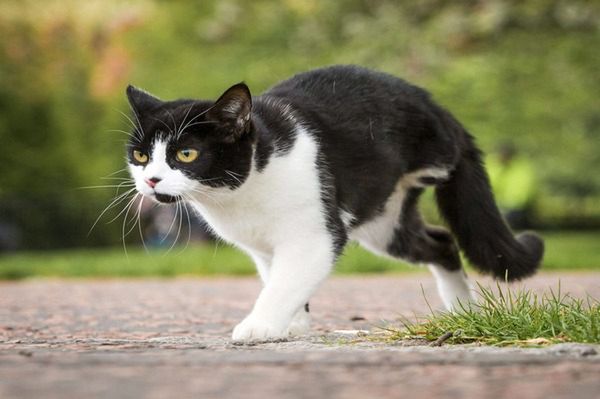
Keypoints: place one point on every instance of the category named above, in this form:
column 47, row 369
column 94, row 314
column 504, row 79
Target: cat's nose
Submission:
column 153, row 181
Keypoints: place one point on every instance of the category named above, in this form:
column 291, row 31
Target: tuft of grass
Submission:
column 503, row 317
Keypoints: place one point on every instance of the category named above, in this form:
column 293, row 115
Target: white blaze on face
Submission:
column 171, row 181
column 158, row 167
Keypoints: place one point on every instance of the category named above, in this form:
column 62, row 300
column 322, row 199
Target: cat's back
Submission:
column 345, row 85
column 352, row 102
column 393, row 123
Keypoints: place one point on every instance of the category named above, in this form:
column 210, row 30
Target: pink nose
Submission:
column 152, row 182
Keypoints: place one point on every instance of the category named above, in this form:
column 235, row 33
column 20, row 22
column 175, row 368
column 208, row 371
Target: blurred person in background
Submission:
column 513, row 181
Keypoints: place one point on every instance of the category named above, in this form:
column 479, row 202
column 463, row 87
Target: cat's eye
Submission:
column 187, row 155
column 140, row 156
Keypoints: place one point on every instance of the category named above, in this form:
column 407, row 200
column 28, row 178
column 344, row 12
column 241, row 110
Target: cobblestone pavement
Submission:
column 170, row 339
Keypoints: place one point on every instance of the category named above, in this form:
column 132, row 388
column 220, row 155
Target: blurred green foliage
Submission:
column 525, row 71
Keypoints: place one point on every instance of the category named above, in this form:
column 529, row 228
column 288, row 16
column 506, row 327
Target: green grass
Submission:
column 503, row 317
column 113, row 262
column 201, row 260
column 564, row 251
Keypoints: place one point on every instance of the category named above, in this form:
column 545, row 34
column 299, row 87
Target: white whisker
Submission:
column 128, row 207
column 113, row 203
column 205, row 195
column 177, row 213
column 123, row 184
column 233, row 176
column 132, row 222
column 170, row 227
column 174, row 123
column 190, row 123
column 199, row 123
column 129, row 134
column 123, row 210
column 164, row 124
column 179, row 131
column 138, row 132
column 139, row 223
column 114, row 173
column 125, row 179
column 189, row 224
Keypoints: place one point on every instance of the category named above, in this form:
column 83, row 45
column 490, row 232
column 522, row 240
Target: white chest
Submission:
column 270, row 205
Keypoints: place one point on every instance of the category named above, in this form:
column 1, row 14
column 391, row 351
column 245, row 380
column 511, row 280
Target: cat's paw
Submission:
column 300, row 324
column 254, row 328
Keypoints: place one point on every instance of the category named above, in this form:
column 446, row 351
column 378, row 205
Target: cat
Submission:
column 330, row 155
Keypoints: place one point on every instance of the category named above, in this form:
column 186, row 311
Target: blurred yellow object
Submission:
column 513, row 182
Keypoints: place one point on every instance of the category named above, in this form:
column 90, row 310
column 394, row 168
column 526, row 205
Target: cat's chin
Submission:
column 165, row 198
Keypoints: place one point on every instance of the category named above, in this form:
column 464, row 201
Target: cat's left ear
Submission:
column 141, row 101
column 232, row 110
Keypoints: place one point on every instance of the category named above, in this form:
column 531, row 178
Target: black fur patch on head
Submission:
column 221, row 132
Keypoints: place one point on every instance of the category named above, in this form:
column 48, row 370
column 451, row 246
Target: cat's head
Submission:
column 185, row 148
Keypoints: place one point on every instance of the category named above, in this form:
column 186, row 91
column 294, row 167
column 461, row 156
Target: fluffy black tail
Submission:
column 467, row 203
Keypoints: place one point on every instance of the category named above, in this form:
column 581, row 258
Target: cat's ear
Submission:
column 232, row 111
column 140, row 100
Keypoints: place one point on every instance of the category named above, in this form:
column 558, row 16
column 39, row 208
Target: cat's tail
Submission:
column 467, row 203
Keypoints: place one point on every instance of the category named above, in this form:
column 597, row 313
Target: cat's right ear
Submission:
column 140, row 100
column 233, row 111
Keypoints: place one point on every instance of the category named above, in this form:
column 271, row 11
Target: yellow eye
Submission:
column 187, row 155
column 140, row 156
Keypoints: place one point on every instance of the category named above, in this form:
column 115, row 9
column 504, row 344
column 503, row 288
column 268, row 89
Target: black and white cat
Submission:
column 331, row 155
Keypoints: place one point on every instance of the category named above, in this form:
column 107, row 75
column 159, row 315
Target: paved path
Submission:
column 169, row 339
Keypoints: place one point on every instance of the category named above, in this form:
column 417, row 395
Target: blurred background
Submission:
column 522, row 76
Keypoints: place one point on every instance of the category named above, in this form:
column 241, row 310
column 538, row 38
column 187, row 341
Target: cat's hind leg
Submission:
column 404, row 235
column 434, row 246
column 453, row 287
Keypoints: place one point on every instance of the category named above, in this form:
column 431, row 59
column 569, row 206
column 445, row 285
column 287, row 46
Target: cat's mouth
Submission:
column 166, row 198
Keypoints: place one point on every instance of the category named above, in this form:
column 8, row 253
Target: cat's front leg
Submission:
column 296, row 272
column 300, row 324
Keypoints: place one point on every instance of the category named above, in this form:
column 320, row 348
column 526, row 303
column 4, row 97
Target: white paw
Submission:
column 300, row 324
column 254, row 328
